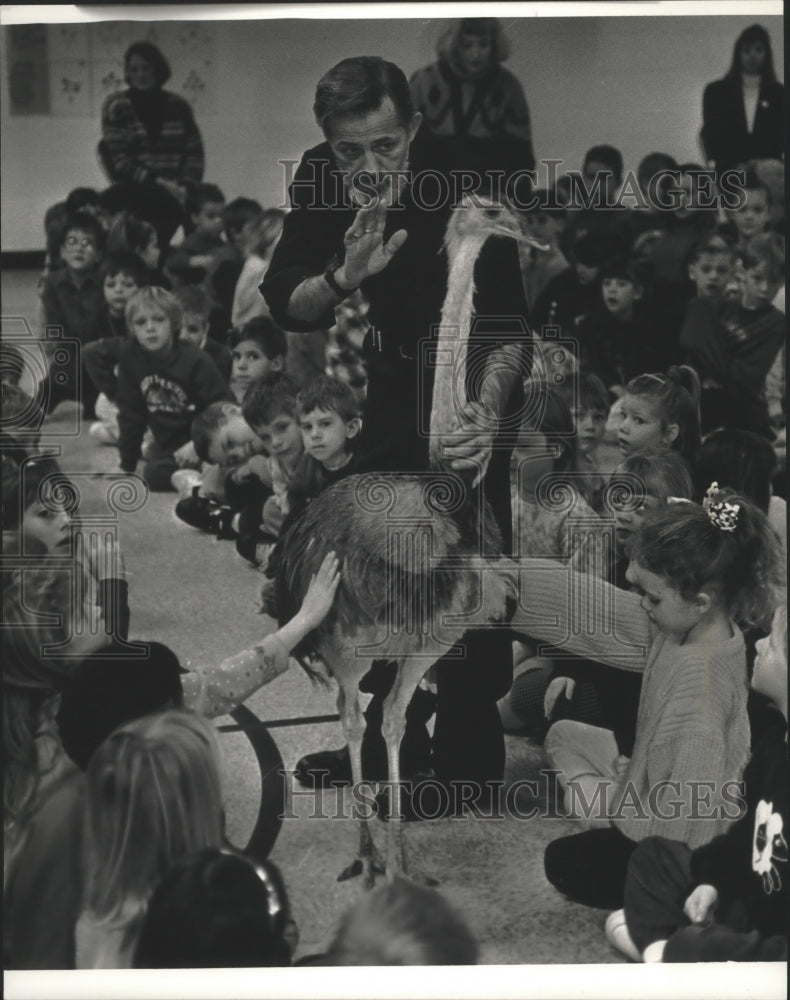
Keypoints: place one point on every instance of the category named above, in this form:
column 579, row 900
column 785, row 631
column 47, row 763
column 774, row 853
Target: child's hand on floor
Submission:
column 254, row 467
column 186, row 456
column 321, row 592
column 559, row 686
column 700, row 904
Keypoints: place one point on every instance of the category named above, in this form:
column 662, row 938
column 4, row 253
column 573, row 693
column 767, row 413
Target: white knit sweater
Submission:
column 692, row 726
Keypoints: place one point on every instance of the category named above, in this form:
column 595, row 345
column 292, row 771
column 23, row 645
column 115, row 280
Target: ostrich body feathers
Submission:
column 408, row 543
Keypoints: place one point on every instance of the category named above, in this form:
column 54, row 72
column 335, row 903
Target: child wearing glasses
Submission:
column 72, row 300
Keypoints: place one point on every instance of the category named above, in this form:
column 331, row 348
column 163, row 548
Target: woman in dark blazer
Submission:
column 742, row 114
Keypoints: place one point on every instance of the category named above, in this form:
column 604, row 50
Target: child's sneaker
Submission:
column 205, row 514
column 104, row 433
column 221, row 520
column 617, row 935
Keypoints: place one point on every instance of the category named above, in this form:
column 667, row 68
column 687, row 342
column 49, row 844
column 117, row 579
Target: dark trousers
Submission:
column 468, row 743
column 590, row 867
column 159, row 467
column 658, row 883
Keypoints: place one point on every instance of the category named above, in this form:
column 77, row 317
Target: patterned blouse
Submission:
column 485, row 109
column 130, row 153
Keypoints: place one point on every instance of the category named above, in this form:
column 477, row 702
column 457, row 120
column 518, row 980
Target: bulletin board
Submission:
column 67, row 70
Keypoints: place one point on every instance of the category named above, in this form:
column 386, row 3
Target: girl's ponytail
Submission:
column 726, row 544
column 677, row 394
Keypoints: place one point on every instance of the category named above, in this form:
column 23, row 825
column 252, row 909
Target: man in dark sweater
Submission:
column 162, row 384
column 393, row 250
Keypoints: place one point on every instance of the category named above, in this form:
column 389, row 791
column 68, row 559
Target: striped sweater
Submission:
column 692, row 727
column 130, row 154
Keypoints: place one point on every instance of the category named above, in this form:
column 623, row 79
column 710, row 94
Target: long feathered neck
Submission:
column 449, row 387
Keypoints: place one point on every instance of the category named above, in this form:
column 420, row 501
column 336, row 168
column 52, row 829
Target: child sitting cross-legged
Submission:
column 195, row 317
column 133, row 235
column 228, row 261
column 124, row 273
column 726, row 900
column 109, row 688
column 162, row 382
column 734, row 344
column 711, row 267
column 659, row 413
column 700, row 570
column 211, row 499
column 617, row 338
column 328, row 414
column 188, row 263
column 72, row 299
column 589, row 416
column 226, row 496
column 257, row 348
column 269, row 407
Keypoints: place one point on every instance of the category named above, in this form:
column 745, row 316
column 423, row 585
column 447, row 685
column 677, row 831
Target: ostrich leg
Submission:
column 410, row 672
column 368, row 861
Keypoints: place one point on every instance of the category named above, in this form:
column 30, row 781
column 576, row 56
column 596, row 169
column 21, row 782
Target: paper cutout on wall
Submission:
column 70, row 88
column 107, row 77
column 71, row 69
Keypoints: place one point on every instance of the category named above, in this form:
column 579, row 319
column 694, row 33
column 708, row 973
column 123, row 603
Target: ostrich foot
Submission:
column 368, row 868
column 368, row 863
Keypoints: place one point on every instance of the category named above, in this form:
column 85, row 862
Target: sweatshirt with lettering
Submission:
column 163, row 390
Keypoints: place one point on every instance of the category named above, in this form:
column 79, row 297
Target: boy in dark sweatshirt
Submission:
column 124, row 274
column 195, row 322
column 726, row 901
column 188, row 263
column 733, row 344
column 162, row 383
column 616, row 340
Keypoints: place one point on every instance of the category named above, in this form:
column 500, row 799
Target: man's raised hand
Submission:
column 366, row 251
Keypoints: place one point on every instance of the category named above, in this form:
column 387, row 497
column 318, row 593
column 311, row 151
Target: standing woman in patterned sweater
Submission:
column 151, row 146
column 467, row 93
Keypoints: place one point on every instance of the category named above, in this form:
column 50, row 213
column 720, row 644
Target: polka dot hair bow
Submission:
column 721, row 513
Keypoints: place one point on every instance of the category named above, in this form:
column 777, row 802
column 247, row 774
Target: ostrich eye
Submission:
column 492, row 213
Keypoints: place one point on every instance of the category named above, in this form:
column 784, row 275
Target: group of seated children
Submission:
column 647, row 594
column 115, row 849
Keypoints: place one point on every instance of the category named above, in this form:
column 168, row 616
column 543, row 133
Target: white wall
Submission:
column 635, row 82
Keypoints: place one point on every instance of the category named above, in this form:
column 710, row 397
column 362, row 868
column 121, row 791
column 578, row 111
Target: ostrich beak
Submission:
column 517, row 233
column 531, row 241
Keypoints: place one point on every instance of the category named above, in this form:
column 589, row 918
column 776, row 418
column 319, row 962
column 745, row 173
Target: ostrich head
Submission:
column 477, row 217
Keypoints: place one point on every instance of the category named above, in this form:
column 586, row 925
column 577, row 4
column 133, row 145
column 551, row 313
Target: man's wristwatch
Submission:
column 329, row 278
